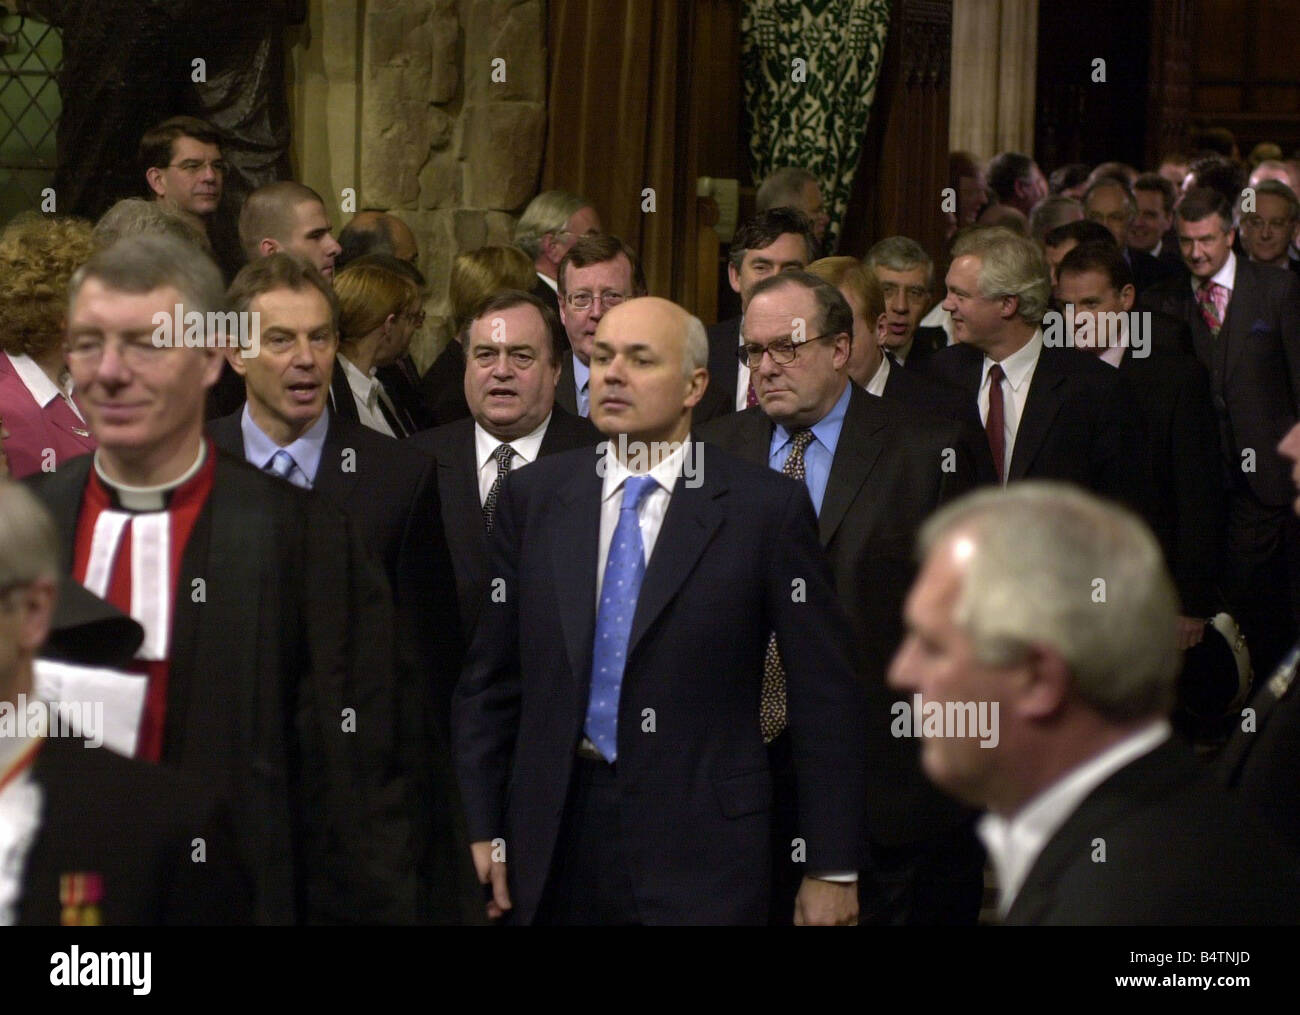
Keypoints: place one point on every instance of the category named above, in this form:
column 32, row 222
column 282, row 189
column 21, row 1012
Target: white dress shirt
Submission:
column 1018, row 370
column 485, row 445
column 555, row 286
column 651, row 511
column 876, row 385
column 367, row 391
column 42, row 389
column 1225, row 276
column 742, row 373
column 1015, row 843
column 21, row 808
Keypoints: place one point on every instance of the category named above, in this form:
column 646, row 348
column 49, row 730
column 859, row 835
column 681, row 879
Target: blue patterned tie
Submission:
column 283, row 465
column 624, row 570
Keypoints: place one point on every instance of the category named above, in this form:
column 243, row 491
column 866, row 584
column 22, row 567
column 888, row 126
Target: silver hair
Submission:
column 1053, row 565
column 29, row 547
column 900, row 253
column 1010, row 265
column 781, row 188
column 143, row 263
column 697, row 346
column 133, row 216
column 548, row 212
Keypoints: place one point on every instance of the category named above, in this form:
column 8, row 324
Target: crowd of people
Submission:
column 881, row 602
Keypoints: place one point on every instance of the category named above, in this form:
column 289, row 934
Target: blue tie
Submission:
column 283, row 465
column 624, row 570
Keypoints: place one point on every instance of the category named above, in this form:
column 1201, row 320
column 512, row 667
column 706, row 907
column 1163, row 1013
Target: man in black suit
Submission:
column 1048, row 411
column 874, row 472
column 513, row 363
column 779, row 239
column 1109, row 202
column 1245, row 325
column 291, row 720
column 905, row 272
column 638, row 791
column 553, row 221
column 89, row 836
column 1050, row 711
column 595, row 275
column 1269, row 226
column 1173, row 391
column 388, row 491
column 1151, row 230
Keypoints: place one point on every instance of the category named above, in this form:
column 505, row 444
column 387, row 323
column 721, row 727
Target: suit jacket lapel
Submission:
column 861, row 441
column 342, row 402
column 574, row 540
column 566, row 391
column 1046, row 391
column 458, row 486
column 693, row 517
column 1237, row 319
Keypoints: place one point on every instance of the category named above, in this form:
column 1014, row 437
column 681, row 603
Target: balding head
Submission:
column 286, row 216
column 648, row 370
column 376, row 232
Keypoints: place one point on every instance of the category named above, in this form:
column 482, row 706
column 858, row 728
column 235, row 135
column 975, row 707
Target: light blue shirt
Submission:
column 259, row 449
column 819, row 454
column 581, row 377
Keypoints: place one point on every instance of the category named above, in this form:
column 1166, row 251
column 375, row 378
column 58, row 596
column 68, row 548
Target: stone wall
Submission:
column 451, row 123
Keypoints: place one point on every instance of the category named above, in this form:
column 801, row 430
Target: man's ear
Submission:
column 1042, row 684
column 237, row 361
column 699, row 383
column 733, row 276
column 38, row 612
column 154, row 177
column 267, row 247
column 841, row 350
column 1010, row 307
column 1126, row 297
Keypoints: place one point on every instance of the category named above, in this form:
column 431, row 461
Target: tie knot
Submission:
column 1209, row 285
column 503, row 454
column 282, row 464
column 801, row 439
column 635, row 489
column 996, row 373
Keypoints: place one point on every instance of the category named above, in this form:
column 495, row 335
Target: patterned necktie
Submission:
column 751, row 396
column 771, row 702
column 283, row 465
column 624, row 570
column 995, row 424
column 503, row 454
column 1212, row 299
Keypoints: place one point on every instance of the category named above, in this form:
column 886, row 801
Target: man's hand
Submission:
column 492, row 872
column 1190, row 632
column 826, row 904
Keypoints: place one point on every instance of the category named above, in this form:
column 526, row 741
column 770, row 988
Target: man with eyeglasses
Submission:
column 1245, row 324
column 1110, row 203
column 874, row 472
column 596, row 274
column 183, row 166
column 1268, row 230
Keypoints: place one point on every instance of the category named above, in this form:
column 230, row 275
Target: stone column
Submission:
column 994, row 62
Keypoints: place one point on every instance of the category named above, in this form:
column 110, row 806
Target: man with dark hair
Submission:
column 597, row 272
column 874, row 470
column 1111, row 203
column 1173, row 391
column 513, row 363
column 288, row 216
column 1017, row 181
column 1152, row 229
column 780, row 239
column 1245, row 325
column 1069, row 180
column 182, row 164
column 1220, row 174
column 375, row 232
column 388, row 491
column 1060, row 240
column 268, row 670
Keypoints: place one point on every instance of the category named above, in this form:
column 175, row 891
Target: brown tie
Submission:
column 771, row 704
column 995, row 423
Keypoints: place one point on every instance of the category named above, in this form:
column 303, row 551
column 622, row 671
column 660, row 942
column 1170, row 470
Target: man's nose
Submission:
column 332, row 247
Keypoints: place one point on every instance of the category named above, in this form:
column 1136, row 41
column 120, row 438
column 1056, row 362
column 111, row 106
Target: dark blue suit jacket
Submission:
column 737, row 558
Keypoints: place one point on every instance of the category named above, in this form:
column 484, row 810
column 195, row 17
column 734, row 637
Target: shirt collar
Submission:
column 1020, row 364
column 150, row 498
column 1225, row 276
column 1014, row 843
column 526, row 448
column 364, row 386
column 555, row 286
column 827, row 429
column 878, row 380
column 581, row 373
column 664, row 471
column 306, row 451
column 38, row 382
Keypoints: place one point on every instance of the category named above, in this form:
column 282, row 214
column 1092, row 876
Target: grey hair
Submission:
column 781, row 188
column 900, row 253
column 133, row 216
column 1052, row 211
column 548, row 212
column 697, row 346
column 1053, row 565
column 1278, row 189
column 29, row 547
column 143, row 263
column 1010, row 265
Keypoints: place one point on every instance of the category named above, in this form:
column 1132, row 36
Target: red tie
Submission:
column 1210, row 298
column 994, row 425
column 751, row 397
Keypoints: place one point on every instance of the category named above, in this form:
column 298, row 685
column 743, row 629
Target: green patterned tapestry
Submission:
column 810, row 71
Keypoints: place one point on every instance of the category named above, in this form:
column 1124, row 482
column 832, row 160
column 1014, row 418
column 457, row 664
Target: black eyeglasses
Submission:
column 782, row 352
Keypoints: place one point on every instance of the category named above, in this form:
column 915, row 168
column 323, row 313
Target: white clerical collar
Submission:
column 526, row 448
column 149, row 498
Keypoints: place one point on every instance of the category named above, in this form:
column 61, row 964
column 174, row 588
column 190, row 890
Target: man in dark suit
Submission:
column 1173, row 392
column 1048, row 411
column 874, row 471
column 779, row 239
column 638, row 792
column 1096, row 815
column 1151, row 230
column 595, row 275
column 905, row 273
column 513, row 365
column 292, row 721
column 88, row 835
column 1109, row 202
column 1245, row 325
column 553, row 221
